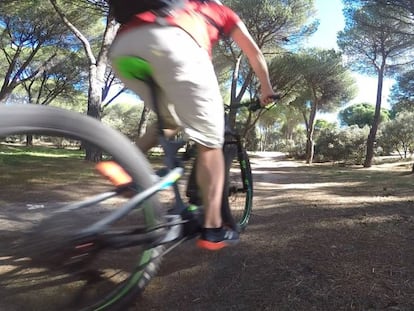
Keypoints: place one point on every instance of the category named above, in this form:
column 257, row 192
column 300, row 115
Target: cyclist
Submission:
column 179, row 48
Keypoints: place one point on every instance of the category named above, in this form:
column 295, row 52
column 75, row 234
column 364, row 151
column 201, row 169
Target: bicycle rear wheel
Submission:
column 238, row 192
column 238, row 187
column 38, row 185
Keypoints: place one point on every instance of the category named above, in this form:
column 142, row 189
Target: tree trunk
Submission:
column 374, row 128
column 143, row 121
column 233, row 96
column 94, row 109
column 29, row 140
column 4, row 95
column 309, row 134
column 370, row 149
column 97, row 69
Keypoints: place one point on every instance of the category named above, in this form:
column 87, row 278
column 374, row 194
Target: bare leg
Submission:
column 150, row 138
column 210, row 178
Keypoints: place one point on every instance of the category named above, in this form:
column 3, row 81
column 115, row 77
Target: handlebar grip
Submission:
column 256, row 105
column 276, row 97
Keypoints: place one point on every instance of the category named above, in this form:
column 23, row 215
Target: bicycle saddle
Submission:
column 134, row 67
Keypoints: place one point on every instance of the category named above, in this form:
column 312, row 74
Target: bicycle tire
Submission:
column 238, row 193
column 34, row 119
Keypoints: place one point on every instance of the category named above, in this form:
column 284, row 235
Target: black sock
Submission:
column 212, row 230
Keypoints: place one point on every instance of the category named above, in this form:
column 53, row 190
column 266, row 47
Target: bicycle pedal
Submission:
column 162, row 172
column 193, row 216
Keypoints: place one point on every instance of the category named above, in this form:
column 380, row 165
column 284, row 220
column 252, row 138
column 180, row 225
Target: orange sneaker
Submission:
column 214, row 239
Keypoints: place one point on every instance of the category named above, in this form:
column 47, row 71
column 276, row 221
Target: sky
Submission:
column 331, row 22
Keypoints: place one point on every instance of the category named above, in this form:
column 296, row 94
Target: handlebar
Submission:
column 252, row 106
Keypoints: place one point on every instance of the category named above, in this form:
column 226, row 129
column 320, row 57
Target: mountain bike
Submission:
column 60, row 251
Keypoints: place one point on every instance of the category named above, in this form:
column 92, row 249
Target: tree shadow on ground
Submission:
column 298, row 260
column 317, row 240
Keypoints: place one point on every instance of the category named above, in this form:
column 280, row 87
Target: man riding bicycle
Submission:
column 179, row 47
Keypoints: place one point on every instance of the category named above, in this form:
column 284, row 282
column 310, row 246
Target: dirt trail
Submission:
column 319, row 239
column 312, row 244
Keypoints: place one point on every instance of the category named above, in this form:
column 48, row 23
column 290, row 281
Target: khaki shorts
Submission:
column 188, row 92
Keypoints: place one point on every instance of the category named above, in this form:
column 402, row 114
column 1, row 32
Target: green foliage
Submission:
column 39, row 53
column 361, row 115
column 272, row 21
column 321, row 124
column 377, row 40
column 64, row 79
column 91, row 22
column 376, row 37
column 313, row 75
column 286, row 75
column 30, row 23
column 77, row 102
column 405, row 5
column 313, row 81
column 402, row 92
column 398, row 135
column 295, row 148
column 329, row 83
column 124, row 117
column 341, row 144
column 266, row 126
column 17, row 152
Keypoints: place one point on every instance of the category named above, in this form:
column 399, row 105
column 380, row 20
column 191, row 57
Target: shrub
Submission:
column 341, row 145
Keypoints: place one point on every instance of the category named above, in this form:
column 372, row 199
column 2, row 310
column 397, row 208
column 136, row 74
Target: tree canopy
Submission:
column 272, row 24
column 30, row 41
column 314, row 81
column 402, row 93
column 377, row 41
column 361, row 115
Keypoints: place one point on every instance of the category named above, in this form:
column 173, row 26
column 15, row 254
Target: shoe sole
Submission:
column 215, row 246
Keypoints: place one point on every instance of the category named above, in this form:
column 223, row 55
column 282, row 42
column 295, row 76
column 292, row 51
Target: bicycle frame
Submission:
column 140, row 69
column 173, row 225
column 172, row 228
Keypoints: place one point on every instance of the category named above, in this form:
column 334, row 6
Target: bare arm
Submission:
column 244, row 40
